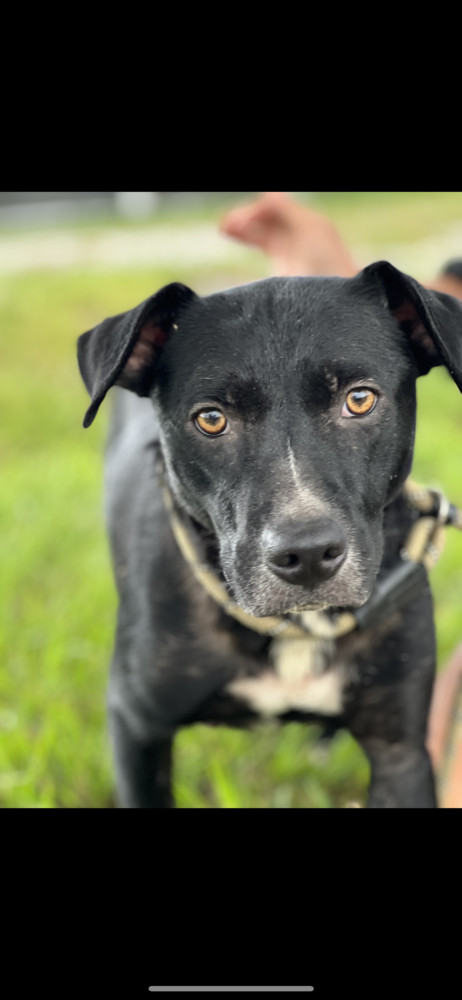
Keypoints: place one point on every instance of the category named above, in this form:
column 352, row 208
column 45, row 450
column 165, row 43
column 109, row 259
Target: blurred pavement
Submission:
column 116, row 247
column 197, row 244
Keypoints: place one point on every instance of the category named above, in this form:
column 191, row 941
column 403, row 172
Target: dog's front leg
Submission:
column 401, row 776
column 388, row 711
column 143, row 768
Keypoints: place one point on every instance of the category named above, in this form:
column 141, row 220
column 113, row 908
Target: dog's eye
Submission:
column 359, row 402
column 211, row 422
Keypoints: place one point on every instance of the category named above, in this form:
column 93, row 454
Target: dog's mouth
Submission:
column 269, row 610
column 264, row 598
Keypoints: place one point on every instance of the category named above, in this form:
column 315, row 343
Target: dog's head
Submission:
column 287, row 412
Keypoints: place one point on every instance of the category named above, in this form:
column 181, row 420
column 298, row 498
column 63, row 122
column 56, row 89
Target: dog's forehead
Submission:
column 281, row 297
column 290, row 306
column 283, row 319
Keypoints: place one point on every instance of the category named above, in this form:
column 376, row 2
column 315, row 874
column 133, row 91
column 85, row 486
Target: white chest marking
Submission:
column 296, row 682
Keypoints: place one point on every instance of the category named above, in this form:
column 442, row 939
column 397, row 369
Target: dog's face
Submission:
column 287, row 413
column 287, row 420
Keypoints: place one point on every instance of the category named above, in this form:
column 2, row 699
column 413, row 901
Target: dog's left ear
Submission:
column 124, row 349
column 431, row 320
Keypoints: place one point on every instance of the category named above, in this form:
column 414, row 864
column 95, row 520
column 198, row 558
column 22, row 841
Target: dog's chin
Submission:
column 269, row 606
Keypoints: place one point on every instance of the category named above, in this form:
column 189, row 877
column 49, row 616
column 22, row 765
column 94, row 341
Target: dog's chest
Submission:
column 301, row 677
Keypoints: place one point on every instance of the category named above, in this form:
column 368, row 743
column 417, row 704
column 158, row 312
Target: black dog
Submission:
column 280, row 433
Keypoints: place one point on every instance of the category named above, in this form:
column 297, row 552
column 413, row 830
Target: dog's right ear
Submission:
column 124, row 349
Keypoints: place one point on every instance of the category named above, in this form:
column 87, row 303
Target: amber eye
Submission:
column 359, row 402
column 211, row 422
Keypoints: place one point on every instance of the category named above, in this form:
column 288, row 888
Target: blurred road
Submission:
column 198, row 243
column 116, row 247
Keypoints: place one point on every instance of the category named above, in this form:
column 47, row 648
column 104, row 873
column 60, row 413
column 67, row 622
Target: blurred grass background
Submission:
column 58, row 601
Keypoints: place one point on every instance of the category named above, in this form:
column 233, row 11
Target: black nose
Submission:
column 307, row 554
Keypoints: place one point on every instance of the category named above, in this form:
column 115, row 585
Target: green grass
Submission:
column 57, row 597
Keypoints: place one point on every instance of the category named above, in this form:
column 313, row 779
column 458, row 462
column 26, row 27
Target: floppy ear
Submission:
column 124, row 349
column 431, row 320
